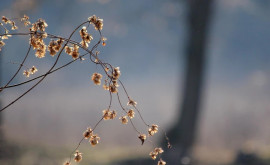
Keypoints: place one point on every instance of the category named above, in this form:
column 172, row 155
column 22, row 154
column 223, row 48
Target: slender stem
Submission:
column 75, row 149
column 22, row 83
column 58, row 56
column 16, row 34
column 134, row 106
column 126, row 113
column 84, row 138
column 90, row 52
column 18, row 68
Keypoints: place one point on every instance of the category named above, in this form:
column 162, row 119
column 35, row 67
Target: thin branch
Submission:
column 58, row 56
column 134, row 106
column 21, row 65
column 75, row 149
column 90, row 52
column 126, row 113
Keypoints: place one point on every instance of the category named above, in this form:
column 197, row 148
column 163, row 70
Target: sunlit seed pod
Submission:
column 88, row 133
column 94, row 140
column 161, row 162
column 78, row 156
column 132, row 102
column 124, row 119
column 153, row 155
column 131, row 113
column 142, row 137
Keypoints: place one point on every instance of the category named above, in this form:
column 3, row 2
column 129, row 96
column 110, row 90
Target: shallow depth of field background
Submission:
column 146, row 39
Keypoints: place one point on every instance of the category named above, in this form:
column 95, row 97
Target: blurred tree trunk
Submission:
column 184, row 132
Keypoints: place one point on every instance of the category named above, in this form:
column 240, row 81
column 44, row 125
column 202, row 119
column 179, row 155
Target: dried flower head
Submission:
column 26, row 73
column 153, row 129
column 96, row 78
column 51, row 49
column 33, row 70
column 68, row 50
column 131, row 113
column 107, row 69
column 13, row 26
column 105, row 87
column 94, row 140
column 88, row 133
column 37, row 42
column 113, row 114
column 54, row 46
column 113, row 88
column 4, row 37
column 106, row 114
column 115, row 83
column 92, row 19
column 132, row 102
column 158, row 150
column 104, row 39
column 83, row 31
column 84, row 44
column 78, row 156
column 44, row 35
column 161, row 162
column 58, row 44
column 75, row 53
column 41, row 51
column 153, row 155
column 25, row 20
column 116, row 73
column 124, row 119
column 97, row 22
column 40, row 24
column 86, row 38
column 142, row 137
column 96, row 60
column 5, row 19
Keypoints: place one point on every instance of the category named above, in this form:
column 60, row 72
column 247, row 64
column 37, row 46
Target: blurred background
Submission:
column 200, row 69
